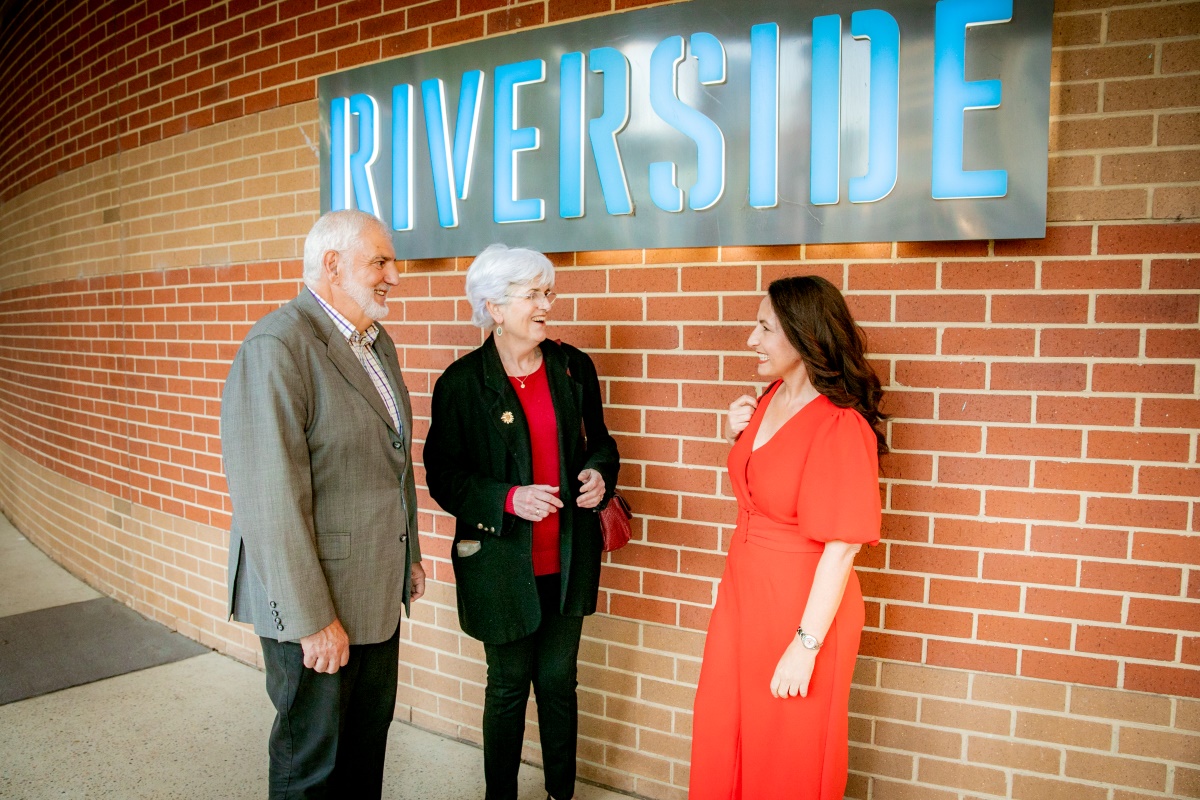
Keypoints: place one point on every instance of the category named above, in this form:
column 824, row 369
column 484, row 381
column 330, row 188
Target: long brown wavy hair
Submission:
column 818, row 325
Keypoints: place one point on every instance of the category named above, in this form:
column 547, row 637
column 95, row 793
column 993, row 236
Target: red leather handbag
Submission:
column 614, row 523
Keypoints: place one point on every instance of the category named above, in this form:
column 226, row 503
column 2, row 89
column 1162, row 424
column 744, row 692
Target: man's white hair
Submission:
column 340, row 231
column 496, row 269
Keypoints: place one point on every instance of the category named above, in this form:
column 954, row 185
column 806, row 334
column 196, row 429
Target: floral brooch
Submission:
column 507, row 418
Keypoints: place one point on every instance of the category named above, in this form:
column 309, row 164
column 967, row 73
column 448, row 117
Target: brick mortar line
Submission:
column 982, row 454
column 1135, row 562
column 112, row 464
column 1011, row 771
column 1023, row 615
column 1083, row 46
column 1061, row 748
column 1115, row 722
column 122, row 438
column 120, row 387
column 1014, row 707
column 1085, row 12
column 840, row 261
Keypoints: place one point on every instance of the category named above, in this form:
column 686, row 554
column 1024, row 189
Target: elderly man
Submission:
column 316, row 429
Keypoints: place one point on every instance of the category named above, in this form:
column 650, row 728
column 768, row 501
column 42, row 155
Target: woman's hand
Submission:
column 793, row 671
column 592, row 490
column 740, row 411
column 536, row 501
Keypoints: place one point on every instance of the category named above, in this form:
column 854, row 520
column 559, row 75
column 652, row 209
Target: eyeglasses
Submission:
column 535, row 295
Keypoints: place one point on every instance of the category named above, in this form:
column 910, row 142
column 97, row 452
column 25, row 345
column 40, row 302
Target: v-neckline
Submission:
column 786, row 422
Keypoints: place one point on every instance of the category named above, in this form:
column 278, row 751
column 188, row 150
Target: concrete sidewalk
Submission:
column 195, row 728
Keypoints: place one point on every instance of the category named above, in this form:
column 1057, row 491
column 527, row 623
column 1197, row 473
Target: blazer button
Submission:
column 274, row 613
column 404, row 537
column 279, row 626
column 397, row 445
column 273, row 604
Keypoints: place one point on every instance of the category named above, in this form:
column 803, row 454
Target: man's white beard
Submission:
column 366, row 300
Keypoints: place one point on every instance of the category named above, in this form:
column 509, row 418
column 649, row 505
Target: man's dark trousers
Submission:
column 330, row 733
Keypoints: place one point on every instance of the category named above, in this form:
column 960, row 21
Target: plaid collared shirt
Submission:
column 363, row 346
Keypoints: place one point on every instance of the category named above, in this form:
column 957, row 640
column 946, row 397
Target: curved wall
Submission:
column 1034, row 608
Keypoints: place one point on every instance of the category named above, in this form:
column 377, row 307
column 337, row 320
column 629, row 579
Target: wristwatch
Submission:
column 808, row 640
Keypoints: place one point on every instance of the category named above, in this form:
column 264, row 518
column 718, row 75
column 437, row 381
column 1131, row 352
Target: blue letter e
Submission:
column 953, row 95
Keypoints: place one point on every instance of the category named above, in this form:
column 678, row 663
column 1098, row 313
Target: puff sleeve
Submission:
column 839, row 488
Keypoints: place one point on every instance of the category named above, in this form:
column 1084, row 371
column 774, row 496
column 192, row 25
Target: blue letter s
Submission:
column 710, row 142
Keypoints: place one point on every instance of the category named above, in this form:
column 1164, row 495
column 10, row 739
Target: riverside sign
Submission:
column 710, row 122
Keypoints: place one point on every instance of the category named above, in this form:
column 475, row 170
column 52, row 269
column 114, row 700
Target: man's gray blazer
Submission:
column 324, row 501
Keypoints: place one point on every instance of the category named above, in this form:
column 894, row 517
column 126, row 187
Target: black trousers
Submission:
column 547, row 658
column 330, row 733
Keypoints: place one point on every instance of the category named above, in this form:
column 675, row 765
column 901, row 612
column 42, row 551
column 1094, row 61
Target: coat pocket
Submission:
column 333, row 546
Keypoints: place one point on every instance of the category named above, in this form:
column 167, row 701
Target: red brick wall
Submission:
column 1034, row 607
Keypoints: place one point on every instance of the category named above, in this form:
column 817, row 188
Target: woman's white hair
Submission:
column 496, row 269
column 338, row 230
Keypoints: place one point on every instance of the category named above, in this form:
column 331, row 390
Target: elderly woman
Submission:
column 518, row 452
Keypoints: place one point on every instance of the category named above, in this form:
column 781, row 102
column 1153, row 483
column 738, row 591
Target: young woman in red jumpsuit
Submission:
column 771, row 707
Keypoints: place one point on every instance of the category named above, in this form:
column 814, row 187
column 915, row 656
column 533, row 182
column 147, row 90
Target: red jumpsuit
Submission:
column 814, row 481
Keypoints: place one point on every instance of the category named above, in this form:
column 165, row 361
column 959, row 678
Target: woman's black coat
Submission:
column 473, row 456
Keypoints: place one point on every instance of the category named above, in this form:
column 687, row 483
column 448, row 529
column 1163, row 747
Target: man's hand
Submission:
column 328, row 649
column 416, row 581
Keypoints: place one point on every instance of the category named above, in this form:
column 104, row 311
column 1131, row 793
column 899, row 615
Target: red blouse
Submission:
column 543, row 440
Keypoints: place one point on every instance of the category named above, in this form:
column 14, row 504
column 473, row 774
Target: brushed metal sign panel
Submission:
column 710, row 122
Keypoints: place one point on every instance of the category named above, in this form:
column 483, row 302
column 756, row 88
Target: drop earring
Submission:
column 499, row 330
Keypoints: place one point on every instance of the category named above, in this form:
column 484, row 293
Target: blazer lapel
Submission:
column 567, row 395
column 504, row 412
column 385, row 348
column 341, row 355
